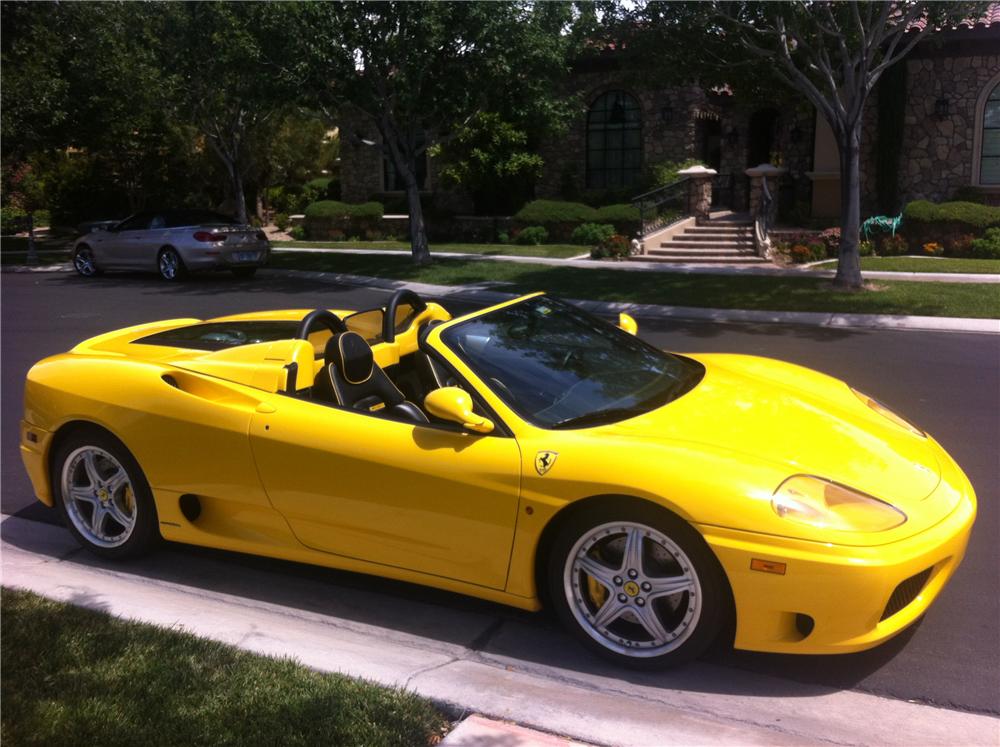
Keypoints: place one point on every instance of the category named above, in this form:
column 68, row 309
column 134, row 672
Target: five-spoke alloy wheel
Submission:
column 83, row 261
column 103, row 495
column 170, row 265
column 638, row 585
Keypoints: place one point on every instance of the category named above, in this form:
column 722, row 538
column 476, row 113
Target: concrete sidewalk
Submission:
column 471, row 656
column 487, row 293
column 679, row 268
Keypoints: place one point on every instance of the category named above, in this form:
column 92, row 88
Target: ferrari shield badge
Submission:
column 544, row 461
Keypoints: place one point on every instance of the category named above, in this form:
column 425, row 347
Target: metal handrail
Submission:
column 662, row 206
column 762, row 221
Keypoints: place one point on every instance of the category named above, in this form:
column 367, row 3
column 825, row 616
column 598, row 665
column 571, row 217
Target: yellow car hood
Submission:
column 809, row 422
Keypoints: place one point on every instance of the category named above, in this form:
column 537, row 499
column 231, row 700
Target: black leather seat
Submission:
column 353, row 379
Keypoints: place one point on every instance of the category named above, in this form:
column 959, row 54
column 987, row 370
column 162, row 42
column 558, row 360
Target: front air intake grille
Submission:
column 905, row 593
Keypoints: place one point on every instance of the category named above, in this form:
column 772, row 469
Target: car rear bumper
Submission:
column 208, row 258
column 837, row 599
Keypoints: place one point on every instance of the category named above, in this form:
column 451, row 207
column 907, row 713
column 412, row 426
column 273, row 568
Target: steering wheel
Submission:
column 319, row 318
column 403, row 295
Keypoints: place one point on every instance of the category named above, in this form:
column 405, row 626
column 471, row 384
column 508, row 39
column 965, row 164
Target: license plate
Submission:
column 246, row 256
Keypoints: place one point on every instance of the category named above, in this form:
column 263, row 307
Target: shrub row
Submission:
column 333, row 220
column 953, row 225
column 561, row 219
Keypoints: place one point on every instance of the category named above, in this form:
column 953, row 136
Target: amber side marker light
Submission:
column 767, row 566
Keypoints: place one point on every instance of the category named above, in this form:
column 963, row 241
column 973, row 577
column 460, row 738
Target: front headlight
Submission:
column 887, row 413
column 827, row 505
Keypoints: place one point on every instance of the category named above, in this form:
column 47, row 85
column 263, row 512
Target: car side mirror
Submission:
column 627, row 323
column 455, row 404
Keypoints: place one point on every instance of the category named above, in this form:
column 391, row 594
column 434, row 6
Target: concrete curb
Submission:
column 465, row 658
column 680, row 268
column 476, row 731
column 487, row 294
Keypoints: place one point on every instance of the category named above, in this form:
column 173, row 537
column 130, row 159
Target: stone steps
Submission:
column 720, row 241
column 727, row 259
column 685, row 243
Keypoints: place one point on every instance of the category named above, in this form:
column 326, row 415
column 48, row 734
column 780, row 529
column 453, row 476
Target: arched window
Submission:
column 614, row 141
column 989, row 164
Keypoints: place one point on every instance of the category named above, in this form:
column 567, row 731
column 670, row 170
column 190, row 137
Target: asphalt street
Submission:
column 948, row 383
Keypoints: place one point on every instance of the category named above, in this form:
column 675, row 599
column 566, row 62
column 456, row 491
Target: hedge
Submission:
column 972, row 214
column 553, row 211
column 562, row 218
column 618, row 214
column 329, row 219
column 954, row 225
column 334, row 209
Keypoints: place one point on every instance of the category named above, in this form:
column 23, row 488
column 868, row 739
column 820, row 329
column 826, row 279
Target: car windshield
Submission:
column 558, row 367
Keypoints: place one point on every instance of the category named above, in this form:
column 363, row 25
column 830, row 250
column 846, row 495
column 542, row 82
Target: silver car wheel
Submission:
column 632, row 589
column 99, row 497
column 84, row 263
column 169, row 264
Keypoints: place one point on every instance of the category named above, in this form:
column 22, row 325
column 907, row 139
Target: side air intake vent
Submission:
column 905, row 593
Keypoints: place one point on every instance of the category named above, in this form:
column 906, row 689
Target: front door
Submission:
column 427, row 499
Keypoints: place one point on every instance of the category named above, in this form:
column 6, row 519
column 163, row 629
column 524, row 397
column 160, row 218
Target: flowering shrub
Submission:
column 615, row 246
column 800, row 253
column 933, row 249
column 866, row 248
column 960, row 245
column 891, row 246
column 831, row 238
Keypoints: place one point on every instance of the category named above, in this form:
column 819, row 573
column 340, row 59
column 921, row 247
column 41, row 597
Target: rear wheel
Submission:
column 638, row 585
column 170, row 265
column 83, row 261
column 103, row 495
column 244, row 272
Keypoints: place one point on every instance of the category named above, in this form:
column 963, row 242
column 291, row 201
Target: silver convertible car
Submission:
column 172, row 242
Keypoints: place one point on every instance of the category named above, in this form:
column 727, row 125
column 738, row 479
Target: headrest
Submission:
column 352, row 356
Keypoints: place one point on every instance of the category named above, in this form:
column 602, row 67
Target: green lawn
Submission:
column 921, row 264
column 710, row 291
column 74, row 676
column 544, row 250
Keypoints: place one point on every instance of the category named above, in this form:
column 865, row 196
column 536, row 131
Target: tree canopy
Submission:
column 420, row 72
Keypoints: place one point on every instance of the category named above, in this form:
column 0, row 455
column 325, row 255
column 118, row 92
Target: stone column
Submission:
column 757, row 175
column 699, row 190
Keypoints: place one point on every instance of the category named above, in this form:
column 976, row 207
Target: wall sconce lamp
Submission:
column 941, row 108
column 732, row 137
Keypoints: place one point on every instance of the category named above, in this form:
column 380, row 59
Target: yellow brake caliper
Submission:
column 598, row 592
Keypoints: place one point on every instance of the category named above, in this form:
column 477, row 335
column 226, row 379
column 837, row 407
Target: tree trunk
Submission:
column 418, row 231
column 849, row 260
column 239, row 194
column 32, row 258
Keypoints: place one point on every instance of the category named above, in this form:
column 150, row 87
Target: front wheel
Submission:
column 103, row 495
column 83, row 261
column 170, row 265
column 638, row 585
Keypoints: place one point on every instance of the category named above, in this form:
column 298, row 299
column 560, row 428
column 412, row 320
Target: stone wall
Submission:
column 669, row 117
column 937, row 154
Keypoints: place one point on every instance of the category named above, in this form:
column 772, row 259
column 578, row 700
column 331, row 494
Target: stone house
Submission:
column 932, row 130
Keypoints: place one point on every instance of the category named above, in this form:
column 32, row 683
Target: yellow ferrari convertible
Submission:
column 526, row 453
